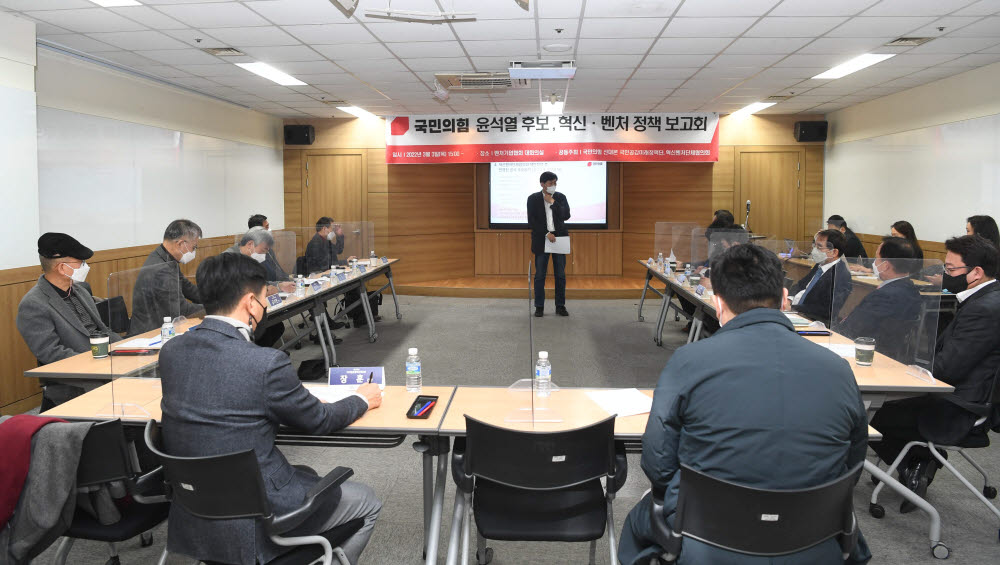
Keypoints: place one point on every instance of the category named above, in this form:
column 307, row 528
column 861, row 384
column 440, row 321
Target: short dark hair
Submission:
column 324, row 222
column 724, row 217
column 834, row 240
column 976, row 251
column 985, row 226
column 256, row 220
column 747, row 277
column 546, row 177
column 225, row 278
column 899, row 253
column 181, row 228
column 837, row 220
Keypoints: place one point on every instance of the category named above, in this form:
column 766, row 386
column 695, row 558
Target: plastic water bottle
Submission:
column 659, row 262
column 543, row 374
column 167, row 331
column 687, row 269
column 372, row 259
column 413, row 379
column 300, row 286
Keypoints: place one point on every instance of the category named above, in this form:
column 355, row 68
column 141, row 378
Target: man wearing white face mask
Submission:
column 256, row 244
column 57, row 317
column 161, row 289
column 821, row 293
column 548, row 211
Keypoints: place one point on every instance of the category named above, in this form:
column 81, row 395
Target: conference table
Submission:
column 82, row 368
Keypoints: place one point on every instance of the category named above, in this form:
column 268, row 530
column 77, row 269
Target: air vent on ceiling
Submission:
column 335, row 102
column 480, row 81
column 776, row 98
column 908, row 41
column 223, row 51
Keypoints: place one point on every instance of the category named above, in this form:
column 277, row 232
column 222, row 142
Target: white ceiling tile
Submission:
column 331, row 34
column 410, row 31
column 690, row 45
column 548, row 29
column 166, row 71
column 358, row 51
column 792, row 72
column 821, row 7
column 133, row 40
column 148, row 17
column 192, row 37
column 492, row 10
column 494, row 30
column 916, row 7
column 879, row 27
column 43, row 28
column 128, row 59
column 420, row 49
column 607, row 61
column 939, row 72
column 981, row 8
column 623, row 46
column 711, row 83
column 439, row 64
column 292, row 12
column 711, row 8
column 727, row 60
column 310, row 67
column 327, row 79
column 87, row 20
column 844, row 45
column 45, row 4
column 282, row 54
column 180, row 56
column 770, row 45
column 650, row 73
column 679, row 61
column 497, row 48
column 608, row 74
column 727, row 72
column 624, row 9
column 214, row 70
column 262, row 36
column 497, row 63
column 986, row 27
column 826, row 61
column 385, row 65
column 793, row 27
column 604, row 28
column 81, row 42
column 949, row 25
column 660, row 83
column 707, row 27
column 963, row 45
column 195, row 82
column 918, row 60
column 973, row 60
column 226, row 14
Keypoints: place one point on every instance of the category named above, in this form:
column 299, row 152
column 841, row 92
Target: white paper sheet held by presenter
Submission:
column 560, row 246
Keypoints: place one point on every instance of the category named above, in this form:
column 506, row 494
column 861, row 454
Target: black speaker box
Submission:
column 306, row 135
column 806, row 131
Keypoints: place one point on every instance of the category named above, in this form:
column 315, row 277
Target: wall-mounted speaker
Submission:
column 306, row 135
column 810, row 131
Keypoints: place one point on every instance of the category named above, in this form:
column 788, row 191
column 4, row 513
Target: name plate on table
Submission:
column 363, row 269
column 316, row 286
column 680, row 279
column 354, row 377
column 341, row 277
column 274, row 300
column 699, row 290
column 385, row 260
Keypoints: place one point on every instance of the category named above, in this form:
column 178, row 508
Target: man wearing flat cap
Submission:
column 57, row 316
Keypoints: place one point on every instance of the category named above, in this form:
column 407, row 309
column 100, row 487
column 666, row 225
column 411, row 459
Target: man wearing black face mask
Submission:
column 967, row 356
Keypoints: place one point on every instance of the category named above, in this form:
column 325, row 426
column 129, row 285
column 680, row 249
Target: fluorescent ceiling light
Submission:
column 752, row 108
column 855, row 65
column 552, row 108
column 271, row 73
column 359, row 112
column 115, row 3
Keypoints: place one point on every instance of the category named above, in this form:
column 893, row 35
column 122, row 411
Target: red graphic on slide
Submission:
column 400, row 125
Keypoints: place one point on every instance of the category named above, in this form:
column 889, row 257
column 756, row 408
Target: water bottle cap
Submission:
column 300, row 276
column 413, row 351
column 543, row 354
column 166, row 319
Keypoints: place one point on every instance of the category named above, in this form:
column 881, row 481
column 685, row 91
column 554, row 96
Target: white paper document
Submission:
column 623, row 402
column 141, row 343
column 560, row 246
column 842, row 349
column 331, row 394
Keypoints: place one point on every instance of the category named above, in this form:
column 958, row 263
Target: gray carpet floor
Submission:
column 485, row 342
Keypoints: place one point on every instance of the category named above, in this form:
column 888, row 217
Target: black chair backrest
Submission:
column 300, row 266
column 216, row 487
column 540, row 460
column 763, row 521
column 104, row 457
column 114, row 314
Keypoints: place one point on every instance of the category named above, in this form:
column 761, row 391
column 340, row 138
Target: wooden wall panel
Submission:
column 16, row 356
column 609, row 253
column 293, row 210
column 644, row 209
column 98, row 276
column 724, row 171
column 378, row 171
column 658, row 177
column 513, row 260
column 487, row 253
column 812, row 220
column 378, row 212
column 293, row 170
column 458, row 177
column 430, row 213
column 432, row 257
column 814, row 169
column 583, row 256
column 635, row 246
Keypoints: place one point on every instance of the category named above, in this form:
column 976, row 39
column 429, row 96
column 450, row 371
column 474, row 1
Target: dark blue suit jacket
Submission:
column 891, row 315
column 223, row 394
column 828, row 296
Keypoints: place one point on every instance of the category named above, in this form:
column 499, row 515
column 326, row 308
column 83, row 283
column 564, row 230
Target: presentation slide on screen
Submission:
column 583, row 182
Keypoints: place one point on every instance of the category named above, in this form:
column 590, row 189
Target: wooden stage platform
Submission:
column 516, row 286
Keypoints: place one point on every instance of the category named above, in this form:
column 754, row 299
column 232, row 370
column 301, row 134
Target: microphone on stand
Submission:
column 746, row 221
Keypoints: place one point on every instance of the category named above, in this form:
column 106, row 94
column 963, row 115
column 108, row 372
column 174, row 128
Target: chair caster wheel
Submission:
column 485, row 557
column 940, row 551
column 373, row 338
column 990, row 492
column 298, row 346
column 399, row 316
column 146, row 539
column 642, row 319
column 876, row 510
column 113, row 561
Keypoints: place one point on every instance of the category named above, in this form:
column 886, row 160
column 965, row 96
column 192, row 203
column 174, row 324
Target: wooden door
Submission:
column 333, row 187
column 770, row 180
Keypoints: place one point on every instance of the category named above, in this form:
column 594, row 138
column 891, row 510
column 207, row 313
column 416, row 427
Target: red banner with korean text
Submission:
column 571, row 137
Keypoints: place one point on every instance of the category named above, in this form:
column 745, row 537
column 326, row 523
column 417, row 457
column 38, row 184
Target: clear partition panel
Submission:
column 283, row 252
column 673, row 239
column 350, row 239
column 531, row 397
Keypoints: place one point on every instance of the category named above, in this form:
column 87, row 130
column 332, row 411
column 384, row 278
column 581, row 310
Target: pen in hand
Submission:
column 370, row 376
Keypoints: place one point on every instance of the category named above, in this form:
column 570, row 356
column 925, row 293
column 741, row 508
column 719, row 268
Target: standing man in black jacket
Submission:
column 548, row 211
column 967, row 356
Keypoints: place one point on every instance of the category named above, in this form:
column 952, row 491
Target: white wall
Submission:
column 929, row 155
column 18, row 151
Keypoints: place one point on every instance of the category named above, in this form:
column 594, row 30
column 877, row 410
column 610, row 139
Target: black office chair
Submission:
column 114, row 314
column 754, row 521
column 104, row 459
column 535, row 486
column 229, row 486
column 300, row 267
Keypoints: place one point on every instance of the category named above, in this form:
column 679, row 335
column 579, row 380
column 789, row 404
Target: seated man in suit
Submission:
column 967, row 356
column 222, row 393
column 274, row 270
column 722, row 407
column 324, row 247
column 822, row 292
column 256, row 244
column 891, row 313
column 57, row 316
column 161, row 289
column 853, row 248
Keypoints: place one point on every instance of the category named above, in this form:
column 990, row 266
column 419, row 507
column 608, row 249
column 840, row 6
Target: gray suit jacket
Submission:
column 160, row 290
column 51, row 328
column 223, row 394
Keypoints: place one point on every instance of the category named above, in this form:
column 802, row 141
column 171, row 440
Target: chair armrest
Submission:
column 314, row 498
column 664, row 537
column 617, row 481
column 150, row 488
column 463, row 481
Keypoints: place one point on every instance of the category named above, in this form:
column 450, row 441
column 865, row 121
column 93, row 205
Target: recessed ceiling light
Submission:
column 557, row 47
column 359, row 112
column 115, row 3
column 855, row 65
column 750, row 109
column 271, row 73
